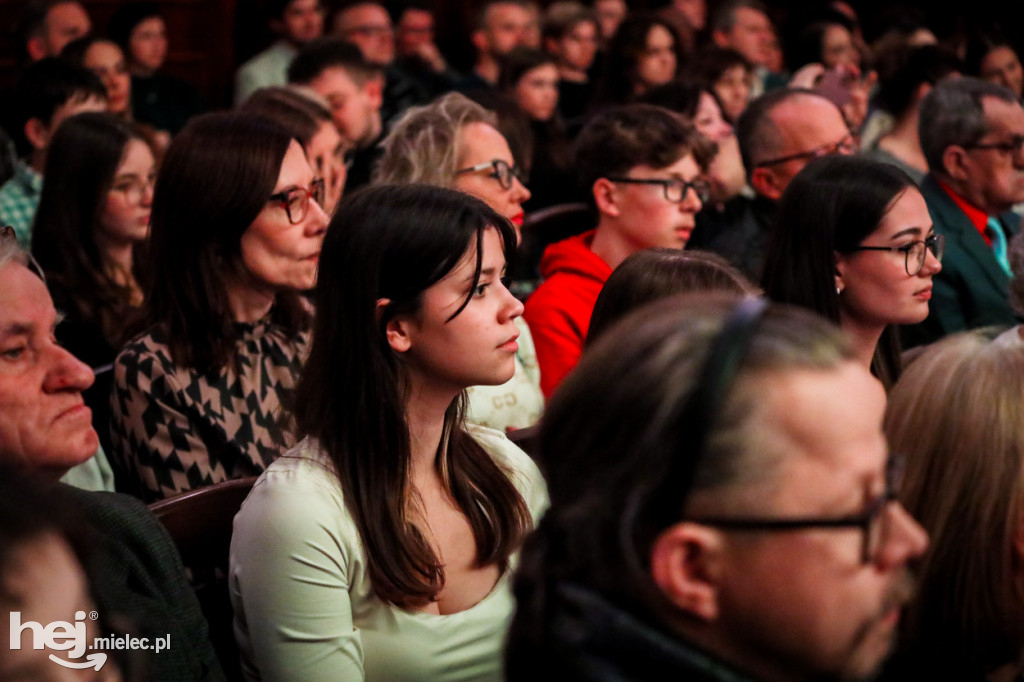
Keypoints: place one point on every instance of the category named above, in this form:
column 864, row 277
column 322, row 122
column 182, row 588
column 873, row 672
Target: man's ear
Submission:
column 685, row 561
column 840, row 268
column 36, row 48
column 374, row 88
column 396, row 329
column 765, row 183
column 37, row 133
column 956, row 162
column 479, row 40
column 605, row 197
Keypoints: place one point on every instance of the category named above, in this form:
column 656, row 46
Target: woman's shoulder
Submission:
column 302, row 479
column 521, row 469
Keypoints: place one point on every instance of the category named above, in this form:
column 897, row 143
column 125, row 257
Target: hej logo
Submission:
column 59, row 636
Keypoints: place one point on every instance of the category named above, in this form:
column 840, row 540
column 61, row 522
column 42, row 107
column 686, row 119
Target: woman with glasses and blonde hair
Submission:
column 454, row 142
column 855, row 243
column 236, row 232
column 89, row 231
column 955, row 416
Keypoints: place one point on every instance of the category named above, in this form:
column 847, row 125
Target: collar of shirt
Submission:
column 977, row 217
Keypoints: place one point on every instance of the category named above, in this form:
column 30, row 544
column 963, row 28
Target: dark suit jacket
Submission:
column 971, row 290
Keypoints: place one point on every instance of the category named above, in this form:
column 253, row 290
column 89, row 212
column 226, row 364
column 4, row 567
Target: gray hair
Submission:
column 423, row 145
column 953, row 114
column 10, row 250
column 725, row 18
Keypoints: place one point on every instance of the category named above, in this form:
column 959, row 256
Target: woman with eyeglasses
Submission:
column 236, row 232
column 453, row 143
column 955, row 416
column 89, row 231
column 854, row 242
column 381, row 546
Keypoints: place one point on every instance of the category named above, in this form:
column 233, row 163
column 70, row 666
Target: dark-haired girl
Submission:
column 379, row 548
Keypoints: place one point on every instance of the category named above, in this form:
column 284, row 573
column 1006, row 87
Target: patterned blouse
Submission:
column 173, row 429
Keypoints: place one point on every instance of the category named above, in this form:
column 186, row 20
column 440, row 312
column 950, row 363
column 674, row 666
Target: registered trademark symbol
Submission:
column 93, row 615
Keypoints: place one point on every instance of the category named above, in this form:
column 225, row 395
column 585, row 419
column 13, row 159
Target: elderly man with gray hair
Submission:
column 972, row 135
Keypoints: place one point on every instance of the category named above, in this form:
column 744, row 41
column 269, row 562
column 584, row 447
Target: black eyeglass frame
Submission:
column 314, row 192
column 865, row 520
column 936, row 243
column 500, row 171
column 816, row 153
column 702, row 188
column 1014, row 146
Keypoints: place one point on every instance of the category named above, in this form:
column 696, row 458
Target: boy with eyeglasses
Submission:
column 644, row 166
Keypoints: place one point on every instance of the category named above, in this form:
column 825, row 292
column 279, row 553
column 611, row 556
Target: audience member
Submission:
column 751, row 534
column 853, row 242
column 416, row 50
column 905, row 75
column 689, row 18
column 653, row 274
column 92, row 223
column 453, row 143
column 643, row 54
column 158, row 99
column 989, row 56
column 778, row 134
column 744, row 26
column 727, row 74
column 353, row 88
column 971, row 133
column 105, row 59
column 827, row 39
column 367, row 25
column 644, row 165
column 305, row 115
column 1014, row 336
column 954, row 415
column 500, row 26
column 381, row 546
column 529, row 78
column 47, row 92
column 45, row 429
column 235, row 237
column 609, row 13
column 48, row 25
column 571, row 35
column 297, row 22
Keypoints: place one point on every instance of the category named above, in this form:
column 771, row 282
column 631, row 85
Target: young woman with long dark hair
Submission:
column 380, row 547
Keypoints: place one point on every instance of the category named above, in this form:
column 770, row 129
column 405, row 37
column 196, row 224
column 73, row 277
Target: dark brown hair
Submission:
column 393, row 242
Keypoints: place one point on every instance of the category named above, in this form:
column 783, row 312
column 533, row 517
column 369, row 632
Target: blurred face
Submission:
column 48, row 585
column 326, row 155
column 45, row 424
column 147, row 44
column 876, row 289
column 477, row 346
column 709, row 121
column 577, row 48
column 610, row 14
column 995, row 178
column 536, row 92
column 752, row 35
column 106, row 60
column 64, row 22
column 646, row 218
column 302, row 21
column 1002, row 67
column 733, row 91
column 415, row 29
column 369, row 28
column 695, row 11
column 657, row 64
column 804, row 604
column 807, row 127
column 125, row 216
column 277, row 255
column 480, row 143
column 837, row 48
column 355, row 108
column 506, row 27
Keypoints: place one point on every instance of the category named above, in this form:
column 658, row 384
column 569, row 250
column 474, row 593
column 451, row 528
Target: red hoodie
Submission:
column 558, row 312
